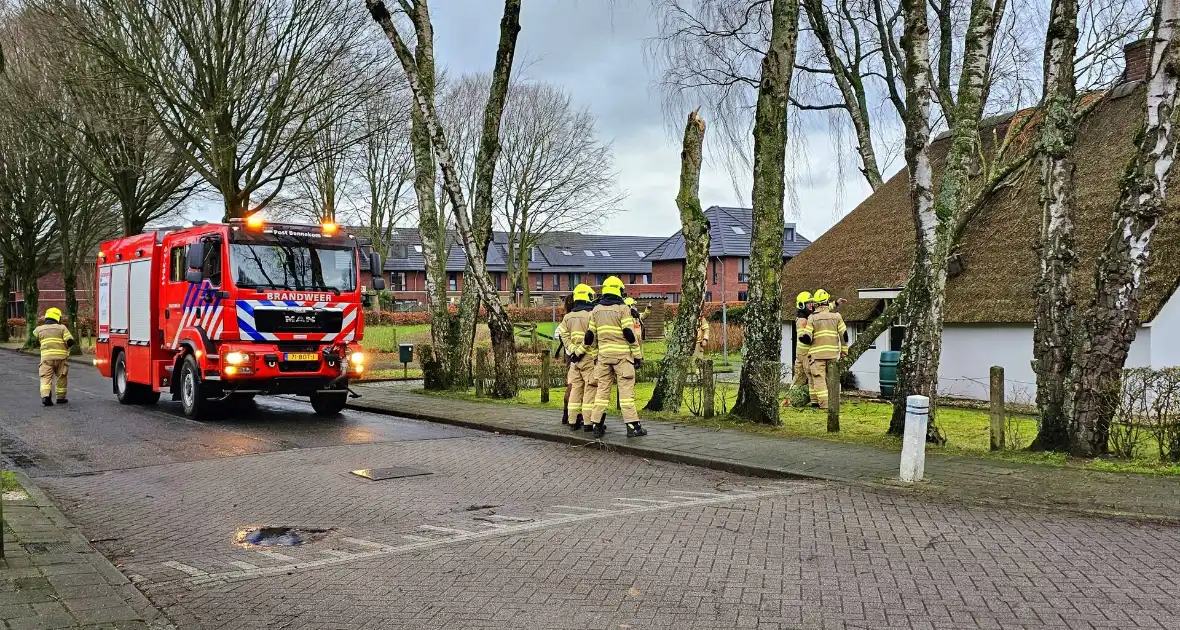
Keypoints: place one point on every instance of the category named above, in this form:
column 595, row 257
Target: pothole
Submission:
column 279, row 536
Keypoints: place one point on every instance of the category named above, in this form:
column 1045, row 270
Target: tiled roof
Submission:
column 729, row 235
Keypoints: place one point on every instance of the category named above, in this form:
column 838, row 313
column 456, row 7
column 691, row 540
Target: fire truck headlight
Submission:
column 231, row 370
column 236, row 358
column 358, row 368
column 357, row 358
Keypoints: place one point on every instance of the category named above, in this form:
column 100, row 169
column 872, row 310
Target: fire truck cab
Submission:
column 229, row 311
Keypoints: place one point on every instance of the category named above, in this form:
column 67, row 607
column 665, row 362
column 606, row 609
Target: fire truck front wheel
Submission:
column 328, row 405
column 191, row 397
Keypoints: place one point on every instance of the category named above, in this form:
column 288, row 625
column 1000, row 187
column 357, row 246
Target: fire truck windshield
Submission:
column 300, row 266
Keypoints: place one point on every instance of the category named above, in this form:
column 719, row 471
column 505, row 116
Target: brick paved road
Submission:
column 512, row 533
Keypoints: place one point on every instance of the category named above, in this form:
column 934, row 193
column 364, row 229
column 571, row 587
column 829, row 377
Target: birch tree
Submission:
column 668, row 393
column 1055, row 318
column 467, row 220
column 1112, row 316
column 385, row 168
column 758, row 388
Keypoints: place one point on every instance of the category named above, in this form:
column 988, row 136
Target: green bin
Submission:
column 405, row 353
column 889, row 361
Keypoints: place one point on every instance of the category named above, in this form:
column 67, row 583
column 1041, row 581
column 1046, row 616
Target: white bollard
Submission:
column 913, row 446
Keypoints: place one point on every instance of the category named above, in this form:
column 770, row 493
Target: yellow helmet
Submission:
column 53, row 313
column 613, row 286
column 820, row 296
column 802, row 299
column 583, row 293
column 629, row 301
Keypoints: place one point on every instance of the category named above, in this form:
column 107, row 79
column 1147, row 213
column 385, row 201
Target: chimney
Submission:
column 1137, row 57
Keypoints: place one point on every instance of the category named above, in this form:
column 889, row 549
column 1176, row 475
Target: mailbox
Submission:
column 405, row 352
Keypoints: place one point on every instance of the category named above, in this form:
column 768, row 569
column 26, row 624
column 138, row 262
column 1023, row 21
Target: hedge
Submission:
column 16, row 326
column 415, row 318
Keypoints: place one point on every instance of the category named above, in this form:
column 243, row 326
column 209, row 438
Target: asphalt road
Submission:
column 506, row 532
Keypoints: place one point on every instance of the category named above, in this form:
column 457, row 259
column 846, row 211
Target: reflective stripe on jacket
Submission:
column 607, row 322
column 829, row 335
column 54, row 340
column 572, row 332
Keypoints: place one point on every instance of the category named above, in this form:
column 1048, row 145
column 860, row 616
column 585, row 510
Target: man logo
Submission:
column 299, row 319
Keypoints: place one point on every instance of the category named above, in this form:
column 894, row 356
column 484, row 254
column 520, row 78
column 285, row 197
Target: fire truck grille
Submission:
column 299, row 366
column 277, row 321
column 297, row 346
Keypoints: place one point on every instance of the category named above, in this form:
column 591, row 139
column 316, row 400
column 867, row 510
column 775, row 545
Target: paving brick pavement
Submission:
column 961, row 478
column 53, row 578
column 482, row 543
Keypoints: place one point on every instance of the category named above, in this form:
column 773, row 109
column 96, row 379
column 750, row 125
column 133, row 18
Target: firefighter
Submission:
column 803, row 309
column 55, row 341
column 581, row 386
column 638, row 319
column 612, row 333
column 827, row 338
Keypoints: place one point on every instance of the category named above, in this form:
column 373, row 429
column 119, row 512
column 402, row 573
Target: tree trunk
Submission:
column 875, row 328
column 761, row 370
column 523, row 270
column 32, row 298
column 70, row 282
column 669, row 389
column 237, row 203
column 6, row 277
column 1055, row 319
column 935, row 223
column 1112, row 319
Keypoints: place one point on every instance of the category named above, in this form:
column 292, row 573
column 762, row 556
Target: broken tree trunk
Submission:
column 1112, row 319
column 1055, row 318
column 761, row 371
column 669, row 388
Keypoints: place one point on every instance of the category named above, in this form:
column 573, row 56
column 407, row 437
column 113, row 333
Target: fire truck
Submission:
column 224, row 312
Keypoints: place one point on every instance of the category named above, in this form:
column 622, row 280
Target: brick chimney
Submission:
column 1137, row 58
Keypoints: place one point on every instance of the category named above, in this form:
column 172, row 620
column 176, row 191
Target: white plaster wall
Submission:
column 1165, row 335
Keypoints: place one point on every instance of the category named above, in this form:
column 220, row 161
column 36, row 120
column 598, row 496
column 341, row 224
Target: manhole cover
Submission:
column 381, row 474
column 279, row 536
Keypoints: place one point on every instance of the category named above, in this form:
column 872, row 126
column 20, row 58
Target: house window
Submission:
column 708, row 296
column 743, row 270
column 855, row 329
column 737, row 230
column 178, row 263
column 575, row 279
column 589, row 254
column 641, row 254
column 566, row 252
column 397, row 281
column 715, row 276
column 540, row 282
column 601, row 278
column 632, row 278
column 644, row 279
column 604, row 253
column 452, row 281
column 556, row 282
column 418, row 248
column 742, row 296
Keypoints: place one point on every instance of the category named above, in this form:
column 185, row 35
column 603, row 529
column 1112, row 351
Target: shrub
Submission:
column 708, row 310
column 735, row 338
column 16, row 326
column 733, row 314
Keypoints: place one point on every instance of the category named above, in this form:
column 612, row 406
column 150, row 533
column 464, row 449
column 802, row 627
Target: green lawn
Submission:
column 8, row 479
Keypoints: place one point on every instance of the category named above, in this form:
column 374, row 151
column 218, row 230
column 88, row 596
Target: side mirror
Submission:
column 367, row 300
column 196, row 256
column 194, row 276
column 375, row 264
column 378, row 283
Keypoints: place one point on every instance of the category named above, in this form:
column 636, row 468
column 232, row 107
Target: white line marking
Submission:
column 446, row 530
column 338, row 553
column 633, row 500
column 578, row 507
column 276, row 555
column 242, row 565
column 416, row 538
column 184, row 568
column 421, row 545
column 699, row 494
column 494, row 525
column 501, row 517
column 567, row 514
column 365, row 543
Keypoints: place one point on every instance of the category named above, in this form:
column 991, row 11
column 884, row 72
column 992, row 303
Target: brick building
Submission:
column 729, row 255
column 52, row 293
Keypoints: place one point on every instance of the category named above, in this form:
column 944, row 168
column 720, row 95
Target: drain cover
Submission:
column 279, row 536
column 381, row 474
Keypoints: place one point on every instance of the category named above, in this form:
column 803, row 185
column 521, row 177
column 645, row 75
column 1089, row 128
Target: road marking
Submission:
column 633, row 500
column 276, row 555
column 184, row 568
column 242, row 565
column 578, row 507
column 446, row 530
column 699, row 494
column 501, row 517
column 421, row 544
column 365, row 543
column 562, row 514
column 338, row 553
column 493, row 525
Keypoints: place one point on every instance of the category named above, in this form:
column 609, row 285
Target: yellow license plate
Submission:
column 300, row 356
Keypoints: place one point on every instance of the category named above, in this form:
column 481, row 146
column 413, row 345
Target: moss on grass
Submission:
column 9, row 481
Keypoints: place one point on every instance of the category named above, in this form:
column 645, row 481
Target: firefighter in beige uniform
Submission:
column 583, row 388
column 619, row 353
column 55, row 341
column 828, row 339
column 804, row 306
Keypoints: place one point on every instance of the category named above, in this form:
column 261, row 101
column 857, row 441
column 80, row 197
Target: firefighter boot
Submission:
column 578, row 423
column 62, row 401
column 634, row 430
column 47, row 401
column 600, row 428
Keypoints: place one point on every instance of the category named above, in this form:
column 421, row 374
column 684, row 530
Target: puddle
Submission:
column 279, row 536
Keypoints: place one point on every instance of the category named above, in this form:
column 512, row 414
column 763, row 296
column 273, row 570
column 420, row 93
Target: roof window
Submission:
column 641, row 254
column 418, row 248
column 737, row 229
column 566, row 252
column 605, row 253
column 589, row 254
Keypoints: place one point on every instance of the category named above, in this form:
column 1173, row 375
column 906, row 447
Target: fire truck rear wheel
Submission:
column 328, row 405
column 190, row 388
column 127, row 392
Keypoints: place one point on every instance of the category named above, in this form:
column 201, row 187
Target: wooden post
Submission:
column 481, row 364
column 534, row 334
column 833, row 396
column 998, row 417
column 708, row 388
column 544, row 375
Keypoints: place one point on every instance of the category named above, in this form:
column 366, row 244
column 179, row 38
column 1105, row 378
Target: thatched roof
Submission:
column 872, row 247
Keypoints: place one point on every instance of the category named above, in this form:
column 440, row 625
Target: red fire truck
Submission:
column 228, row 311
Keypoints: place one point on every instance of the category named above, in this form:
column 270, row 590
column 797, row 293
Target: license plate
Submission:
column 300, row 356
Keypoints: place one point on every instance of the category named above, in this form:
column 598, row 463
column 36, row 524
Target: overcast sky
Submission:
column 595, row 50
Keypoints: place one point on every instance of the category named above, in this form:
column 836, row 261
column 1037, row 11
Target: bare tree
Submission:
column 503, row 338
column 1112, row 317
column 242, row 88
column 385, row 168
column 554, row 174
